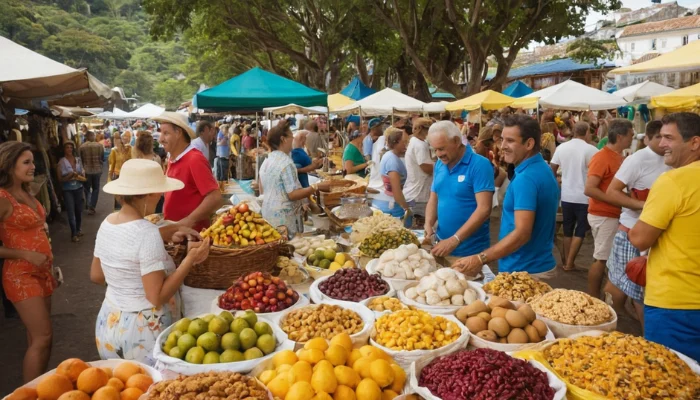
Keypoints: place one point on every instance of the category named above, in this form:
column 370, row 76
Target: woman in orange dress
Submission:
column 27, row 274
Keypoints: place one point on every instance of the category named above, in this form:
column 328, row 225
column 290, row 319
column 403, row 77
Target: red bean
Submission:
column 353, row 284
column 484, row 374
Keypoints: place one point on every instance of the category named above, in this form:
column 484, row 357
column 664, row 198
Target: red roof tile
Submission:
column 674, row 24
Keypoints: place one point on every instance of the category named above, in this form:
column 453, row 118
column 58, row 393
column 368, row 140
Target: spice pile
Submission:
column 622, row 366
column 484, row 374
column 571, row 307
column 516, row 286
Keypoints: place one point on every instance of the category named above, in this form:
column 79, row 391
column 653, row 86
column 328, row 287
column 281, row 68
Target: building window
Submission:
column 632, row 47
column 663, row 43
column 653, row 44
column 685, row 40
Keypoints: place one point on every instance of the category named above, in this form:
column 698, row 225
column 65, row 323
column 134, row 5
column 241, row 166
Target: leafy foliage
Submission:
column 587, row 50
column 108, row 37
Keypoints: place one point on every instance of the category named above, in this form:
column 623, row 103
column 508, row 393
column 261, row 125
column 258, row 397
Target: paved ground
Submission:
column 77, row 302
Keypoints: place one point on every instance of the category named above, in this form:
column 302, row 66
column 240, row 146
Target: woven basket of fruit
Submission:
column 340, row 187
column 243, row 242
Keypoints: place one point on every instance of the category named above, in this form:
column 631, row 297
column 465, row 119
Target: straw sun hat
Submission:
column 138, row 177
column 175, row 119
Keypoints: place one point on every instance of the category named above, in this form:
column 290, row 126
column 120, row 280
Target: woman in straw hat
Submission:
column 142, row 282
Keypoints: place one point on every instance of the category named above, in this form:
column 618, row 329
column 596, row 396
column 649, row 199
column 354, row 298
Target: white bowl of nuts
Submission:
column 327, row 320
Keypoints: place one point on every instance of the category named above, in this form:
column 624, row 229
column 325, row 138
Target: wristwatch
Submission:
column 483, row 258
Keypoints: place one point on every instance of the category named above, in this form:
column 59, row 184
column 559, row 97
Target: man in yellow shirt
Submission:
column 670, row 227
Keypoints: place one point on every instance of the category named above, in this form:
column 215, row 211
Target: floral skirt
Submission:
column 132, row 335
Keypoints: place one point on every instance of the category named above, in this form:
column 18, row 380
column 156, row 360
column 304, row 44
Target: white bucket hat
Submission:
column 175, row 119
column 139, row 176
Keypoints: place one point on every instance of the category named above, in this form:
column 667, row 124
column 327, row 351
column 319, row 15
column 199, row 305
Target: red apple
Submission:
column 265, row 299
column 273, row 301
column 252, row 282
column 257, row 309
column 290, row 292
column 270, row 293
column 245, row 286
column 275, row 279
column 289, row 302
column 258, row 296
column 281, row 296
column 243, row 208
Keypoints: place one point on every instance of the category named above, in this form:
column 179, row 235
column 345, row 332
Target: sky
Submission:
column 635, row 5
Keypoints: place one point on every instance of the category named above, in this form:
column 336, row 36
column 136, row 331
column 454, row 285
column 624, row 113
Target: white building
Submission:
column 637, row 41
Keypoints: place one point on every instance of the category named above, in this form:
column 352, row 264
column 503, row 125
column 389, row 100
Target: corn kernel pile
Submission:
column 414, row 330
column 620, row 366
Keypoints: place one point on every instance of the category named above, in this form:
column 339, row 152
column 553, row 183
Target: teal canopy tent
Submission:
column 357, row 90
column 517, row 89
column 256, row 89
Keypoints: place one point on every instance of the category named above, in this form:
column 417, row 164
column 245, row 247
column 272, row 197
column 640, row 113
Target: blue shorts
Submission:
column 676, row 329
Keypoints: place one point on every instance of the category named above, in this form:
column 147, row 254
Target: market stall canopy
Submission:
column 146, row 111
column 488, row 100
column 295, row 109
column 70, row 112
column 517, row 89
column 678, row 100
column 435, row 107
column 338, row 101
column 256, row 89
column 384, row 102
column 27, row 76
column 116, row 112
column 642, row 92
column 686, row 58
column 570, row 95
column 357, row 90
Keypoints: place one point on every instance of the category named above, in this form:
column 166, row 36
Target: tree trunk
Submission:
column 362, row 69
column 334, row 82
column 422, row 90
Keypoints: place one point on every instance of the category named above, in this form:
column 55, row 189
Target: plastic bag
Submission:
column 358, row 339
column 443, row 310
column 405, row 357
column 318, row 297
column 561, row 330
column 154, row 373
column 166, row 363
column 271, row 316
column 560, row 388
column 197, row 301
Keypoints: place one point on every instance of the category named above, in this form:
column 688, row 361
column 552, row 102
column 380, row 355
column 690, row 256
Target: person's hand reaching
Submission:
column 469, row 266
column 197, row 252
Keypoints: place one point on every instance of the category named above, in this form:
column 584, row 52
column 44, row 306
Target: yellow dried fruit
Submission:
column 414, row 330
column 621, row 366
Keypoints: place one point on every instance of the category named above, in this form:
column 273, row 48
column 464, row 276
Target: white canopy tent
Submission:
column 570, row 95
column 144, row 112
column 435, row 107
column 642, row 92
column 26, row 76
column 295, row 109
column 384, row 102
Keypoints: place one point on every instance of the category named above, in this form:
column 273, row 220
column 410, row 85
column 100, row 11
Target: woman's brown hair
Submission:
column 143, row 145
column 394, row 136
column 274, row 137
column 9, row 154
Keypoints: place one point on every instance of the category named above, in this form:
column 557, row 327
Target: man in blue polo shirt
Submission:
column 375, row 131
column 460, row 197
column 529, row 215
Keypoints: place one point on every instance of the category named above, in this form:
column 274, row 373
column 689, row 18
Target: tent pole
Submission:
column 257, row 141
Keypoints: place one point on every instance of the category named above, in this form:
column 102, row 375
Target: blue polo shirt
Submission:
column 533, row 188
column 456, row 189
column 367, row 145
column 301, row 160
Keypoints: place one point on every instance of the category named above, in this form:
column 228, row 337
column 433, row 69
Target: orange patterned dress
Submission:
column 24, row 230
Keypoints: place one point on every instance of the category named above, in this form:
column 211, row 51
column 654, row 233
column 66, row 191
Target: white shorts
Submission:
column 603, row 230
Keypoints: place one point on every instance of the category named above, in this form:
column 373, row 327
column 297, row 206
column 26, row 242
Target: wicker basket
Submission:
column 224, row 265
column 332, row 199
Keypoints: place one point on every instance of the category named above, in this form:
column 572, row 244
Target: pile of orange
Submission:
column 76, row 380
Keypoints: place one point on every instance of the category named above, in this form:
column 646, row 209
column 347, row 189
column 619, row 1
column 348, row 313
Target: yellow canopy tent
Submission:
column 488, row 100
column 681, row 99
column 683, row 59
column 337, row 101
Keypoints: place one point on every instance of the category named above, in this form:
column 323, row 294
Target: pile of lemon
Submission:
column 325, row 370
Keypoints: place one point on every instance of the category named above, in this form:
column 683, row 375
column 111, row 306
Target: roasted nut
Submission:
column 571, row 307
column 386, row 304
column 209, row 385
column 323, row 321
column 516, row 286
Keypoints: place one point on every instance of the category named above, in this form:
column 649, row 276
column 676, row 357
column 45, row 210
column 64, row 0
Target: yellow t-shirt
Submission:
column 673, row 267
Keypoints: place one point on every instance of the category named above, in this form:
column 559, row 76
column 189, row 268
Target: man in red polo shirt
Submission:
column 193, row 205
